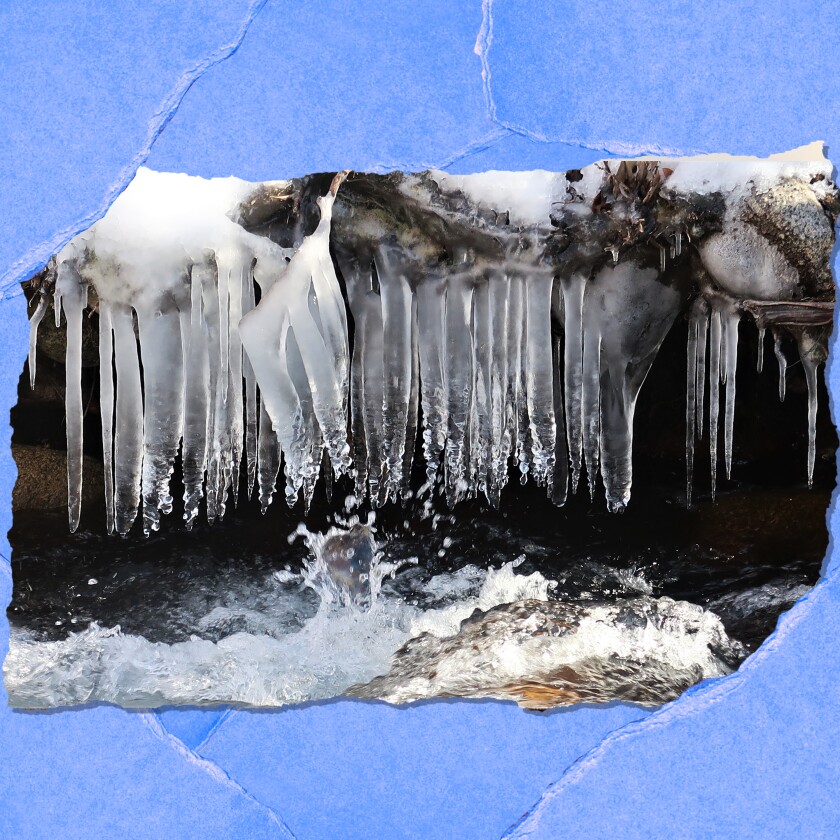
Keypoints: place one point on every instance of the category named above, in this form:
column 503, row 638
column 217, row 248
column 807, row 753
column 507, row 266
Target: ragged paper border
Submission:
column 276, row 89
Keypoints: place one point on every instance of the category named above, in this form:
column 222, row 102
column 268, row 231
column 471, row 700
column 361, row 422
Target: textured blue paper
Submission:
column 89, row 88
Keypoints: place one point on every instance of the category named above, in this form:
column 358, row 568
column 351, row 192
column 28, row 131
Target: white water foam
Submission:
column 468, row 632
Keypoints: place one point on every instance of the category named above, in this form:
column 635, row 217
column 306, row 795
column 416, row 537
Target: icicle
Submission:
column 330, row 303
column 573, row 288
column 517, row 409
column 268, row 463
column 539, row 375
column 106, row 407
column 304, row 453
column 128, row 436
column 759, row 363
column 239, row 276
column 632, row 312
column 662, row 257
column 730, row 325
column 714, row 392
column 811, row 378
column 322, row 341
column 691, row 402
column 413, row 403
column 812, row 356
column 561, row 452
column 196, row 393
column 702, row 335
column 217, row 402
column 71, row 294
column 397, row 327
column 357, row 380
column 481, row 439
column 251, row 414
column 500, row 432
column 373, row 390
column 34, row 321
column 458, row 377
column 357, row 271
column 163, row 385
column 780, row 358
column 431, row 303
column 591, row 400
column 678, row 243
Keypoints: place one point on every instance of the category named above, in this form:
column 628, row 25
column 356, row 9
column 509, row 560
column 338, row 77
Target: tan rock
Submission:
column 42, row 478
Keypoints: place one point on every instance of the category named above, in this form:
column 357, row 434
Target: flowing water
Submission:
column 542, row 606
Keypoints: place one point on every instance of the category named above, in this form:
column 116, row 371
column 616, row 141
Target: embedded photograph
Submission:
column 541, row 437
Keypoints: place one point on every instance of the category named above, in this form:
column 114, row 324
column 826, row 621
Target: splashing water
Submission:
column 351, row 621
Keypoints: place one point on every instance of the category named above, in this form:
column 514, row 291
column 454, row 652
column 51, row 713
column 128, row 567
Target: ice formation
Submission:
column 494, row 321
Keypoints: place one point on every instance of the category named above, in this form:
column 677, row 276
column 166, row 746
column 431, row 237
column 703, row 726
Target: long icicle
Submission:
column 413, row 413
column 482, row 440
column 591, row 401
column 71, row 294
column 811, row 368
column 560, row 483
column 730, row 325
column 459, row 376
column 196, row 391
column 163, row 406
column 538, row 376
column 702, row 336
column 573, row 370
column 812, row 356
column 373, row 389
column 499, row 286
column 240, row 275
column 714, row 393
column 106, row 407
column 397, row 328
column 128, row 439
column 691, row 402
column 431, row 303
column 251, row 412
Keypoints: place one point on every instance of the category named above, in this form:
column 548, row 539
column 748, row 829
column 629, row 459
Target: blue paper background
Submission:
column 273, row 89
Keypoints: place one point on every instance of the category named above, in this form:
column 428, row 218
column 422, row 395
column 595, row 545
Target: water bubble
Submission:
column 93, row 582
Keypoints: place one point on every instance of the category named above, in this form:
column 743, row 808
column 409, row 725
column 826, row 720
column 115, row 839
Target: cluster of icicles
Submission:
column 715, row 325
column 469, row 349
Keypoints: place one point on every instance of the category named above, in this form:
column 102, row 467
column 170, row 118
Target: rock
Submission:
column 42, row 478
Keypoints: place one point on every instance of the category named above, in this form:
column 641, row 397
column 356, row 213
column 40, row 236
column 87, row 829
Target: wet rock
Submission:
column 547, row 653
column 42, row 478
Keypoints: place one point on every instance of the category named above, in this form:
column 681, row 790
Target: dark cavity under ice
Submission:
column 340, row 322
